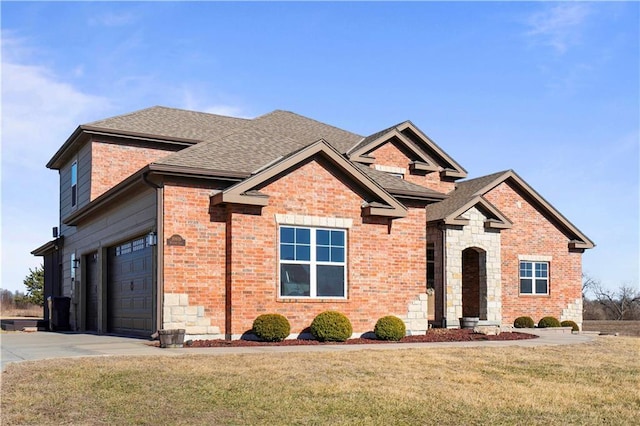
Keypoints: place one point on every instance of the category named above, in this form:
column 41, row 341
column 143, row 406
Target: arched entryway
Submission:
column 474, row 283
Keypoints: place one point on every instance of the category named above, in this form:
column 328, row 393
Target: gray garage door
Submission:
column 130, row 289
column 91, row 262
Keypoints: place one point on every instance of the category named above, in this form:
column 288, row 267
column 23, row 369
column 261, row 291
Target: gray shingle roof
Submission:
column 465, row 191
column 243, row 146
column 171, row 122
column 398, row 186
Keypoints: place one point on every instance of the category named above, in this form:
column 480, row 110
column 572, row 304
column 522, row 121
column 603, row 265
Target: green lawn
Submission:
column 594, row 383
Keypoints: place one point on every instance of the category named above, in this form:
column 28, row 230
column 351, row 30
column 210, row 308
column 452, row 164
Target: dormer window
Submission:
column 398, row 172
column 74, row 184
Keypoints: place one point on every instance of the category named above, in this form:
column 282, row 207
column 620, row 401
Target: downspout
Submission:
column 444, row 276
column 159, row 249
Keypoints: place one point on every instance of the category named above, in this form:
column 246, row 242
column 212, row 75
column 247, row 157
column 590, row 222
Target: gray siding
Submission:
column 84, row 186
column 122, row 221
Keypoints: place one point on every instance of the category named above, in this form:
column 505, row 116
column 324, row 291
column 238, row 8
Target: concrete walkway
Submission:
column 21, row 346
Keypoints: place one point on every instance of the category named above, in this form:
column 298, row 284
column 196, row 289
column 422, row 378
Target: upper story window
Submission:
column 534, row 277
column 313, row 262
column 74, row 184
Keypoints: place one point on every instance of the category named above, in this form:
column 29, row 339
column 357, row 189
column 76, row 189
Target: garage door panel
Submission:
column 131, row 289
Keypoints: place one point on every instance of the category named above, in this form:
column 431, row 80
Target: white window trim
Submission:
column 313, row 263
column 533, row 277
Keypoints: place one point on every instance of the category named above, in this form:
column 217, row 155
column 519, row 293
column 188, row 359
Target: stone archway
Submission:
column 474, row 283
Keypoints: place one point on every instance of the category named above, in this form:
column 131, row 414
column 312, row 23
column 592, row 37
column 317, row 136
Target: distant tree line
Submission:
column 599, row 303
column 34, row 283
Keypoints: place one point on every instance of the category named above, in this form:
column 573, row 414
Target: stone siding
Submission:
column 473, row 235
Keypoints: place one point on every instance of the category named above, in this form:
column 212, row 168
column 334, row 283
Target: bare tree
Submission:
column 620, row 304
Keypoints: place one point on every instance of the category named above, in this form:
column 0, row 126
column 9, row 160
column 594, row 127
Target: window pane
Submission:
column 526, row 269
column 303, row 236
column 303, row 252
column 287, row 252
column 541, row 286
column 322, row 237
column 294, row 280
column 337, row 238
column 541, row 270
column 322, row 254
column 526, row 286
column 286, row 235
column 337, row 254
column 330, row 281
column 74, row 173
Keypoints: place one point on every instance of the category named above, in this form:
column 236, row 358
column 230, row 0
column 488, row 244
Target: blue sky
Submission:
column 548, row 89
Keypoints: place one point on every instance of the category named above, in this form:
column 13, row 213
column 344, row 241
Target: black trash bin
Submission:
column 60, row 307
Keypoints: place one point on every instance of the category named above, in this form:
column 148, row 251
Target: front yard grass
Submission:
column 593, row 383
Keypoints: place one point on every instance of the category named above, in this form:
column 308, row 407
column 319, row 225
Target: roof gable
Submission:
column 468, row 193
column 381, row 202
column 429, row 157
column 578, row 239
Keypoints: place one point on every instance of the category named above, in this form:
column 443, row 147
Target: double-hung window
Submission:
column 313, row 262
column 534, row 277
column 74, row 184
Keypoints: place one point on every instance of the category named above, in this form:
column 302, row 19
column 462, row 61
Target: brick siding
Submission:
column 391, row 154
column 112, row 163
column 534, row 235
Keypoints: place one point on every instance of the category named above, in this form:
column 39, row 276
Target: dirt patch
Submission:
column 436, row 335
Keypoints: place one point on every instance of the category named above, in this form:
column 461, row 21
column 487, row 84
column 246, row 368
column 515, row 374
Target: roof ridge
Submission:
column 123, row 115
column 166, row 108
column 308, row 118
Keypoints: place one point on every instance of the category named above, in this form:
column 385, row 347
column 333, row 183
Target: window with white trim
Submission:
column 313, row 262
column 534, row 277
column 74, row 184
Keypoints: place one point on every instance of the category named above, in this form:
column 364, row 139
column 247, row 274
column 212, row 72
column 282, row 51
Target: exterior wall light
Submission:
column 152, row 239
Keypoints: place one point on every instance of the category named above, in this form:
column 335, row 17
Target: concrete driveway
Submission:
column 20, row 346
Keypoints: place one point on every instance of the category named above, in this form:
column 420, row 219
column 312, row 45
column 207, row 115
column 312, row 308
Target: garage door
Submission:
column 130, row 289
column 91, row 262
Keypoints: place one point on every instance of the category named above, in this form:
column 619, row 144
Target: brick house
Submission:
column 181, row 219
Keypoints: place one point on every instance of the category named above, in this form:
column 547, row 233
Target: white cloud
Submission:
column 39, row 112
column 558, row 26
column 194, row 103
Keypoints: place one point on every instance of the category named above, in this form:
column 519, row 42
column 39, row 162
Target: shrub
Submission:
column 390, row 328
column 331, row 326
column 271, row 327
column 548, row 322
column 524, row 322
column 568, row 323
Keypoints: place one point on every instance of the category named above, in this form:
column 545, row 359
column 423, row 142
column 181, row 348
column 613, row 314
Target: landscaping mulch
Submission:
column 434, row 335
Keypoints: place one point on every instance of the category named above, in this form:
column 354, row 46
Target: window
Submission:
column 74, row 183
column 312, row 262
column 431, row 265
column 131, row 246
column 534, row 277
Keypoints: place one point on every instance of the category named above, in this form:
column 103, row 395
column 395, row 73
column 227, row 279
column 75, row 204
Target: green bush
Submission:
column 568, row 323
column 271, row 327
column 331, row 326
column 548, row 322
column 524, row 322
column 390, row 328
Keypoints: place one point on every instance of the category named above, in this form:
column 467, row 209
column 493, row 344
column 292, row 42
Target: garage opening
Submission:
column 130, row 288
